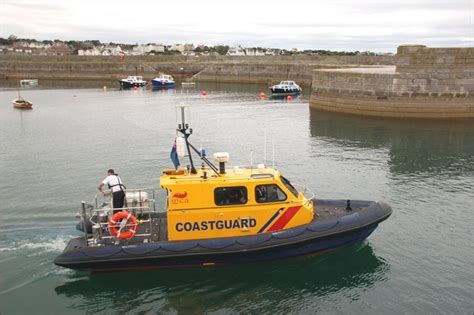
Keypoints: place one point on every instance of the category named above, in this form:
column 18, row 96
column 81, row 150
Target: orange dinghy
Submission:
column 21, row 103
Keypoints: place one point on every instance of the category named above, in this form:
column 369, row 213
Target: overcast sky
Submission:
column 376, row 25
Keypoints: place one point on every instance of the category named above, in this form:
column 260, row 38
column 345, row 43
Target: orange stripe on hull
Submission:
column 284, row 219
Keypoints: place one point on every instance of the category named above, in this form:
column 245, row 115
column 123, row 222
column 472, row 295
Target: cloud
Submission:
column 342, row 25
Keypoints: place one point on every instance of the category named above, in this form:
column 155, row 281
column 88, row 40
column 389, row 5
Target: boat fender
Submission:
column 119, row 217
column 180, row 147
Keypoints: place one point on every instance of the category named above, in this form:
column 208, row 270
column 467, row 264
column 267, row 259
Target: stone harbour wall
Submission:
column 426, row 83
column 435, row 70
column 256, row 69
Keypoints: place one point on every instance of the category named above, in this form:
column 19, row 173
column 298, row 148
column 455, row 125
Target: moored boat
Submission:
column 22, row 104
column 131, row 82
column 29, row 82
column 188, row 84
column 216, row 215
column 285, row 88
column 163, row 81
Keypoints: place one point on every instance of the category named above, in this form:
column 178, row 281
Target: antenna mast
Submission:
column 273, row 151
column 184, row 129
column 265, row 147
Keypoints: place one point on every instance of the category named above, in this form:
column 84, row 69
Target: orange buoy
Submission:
column 131, row 221
column 135, row 88
column 262, row 94
column 289, row 98
column 204, row 93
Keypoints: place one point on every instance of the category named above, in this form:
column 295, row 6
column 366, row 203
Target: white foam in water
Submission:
column 53, row 245
column 61, row 271
column 42, row 244
column 7, row 249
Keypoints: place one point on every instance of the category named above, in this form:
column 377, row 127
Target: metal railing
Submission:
column 308, row 194
column 138, row 202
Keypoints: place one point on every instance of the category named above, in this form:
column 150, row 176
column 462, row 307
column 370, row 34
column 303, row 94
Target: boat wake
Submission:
column 38, row 246
column 39, row 252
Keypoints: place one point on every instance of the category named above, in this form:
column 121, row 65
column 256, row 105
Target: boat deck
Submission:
column 327, row 211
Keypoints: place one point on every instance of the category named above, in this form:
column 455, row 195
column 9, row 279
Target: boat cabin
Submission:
column 238, row 202
column 209, row 202
column 133, row 78
column 165, row 77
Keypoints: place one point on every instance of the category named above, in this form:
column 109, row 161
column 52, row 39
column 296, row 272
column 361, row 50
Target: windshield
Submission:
column 288, row 185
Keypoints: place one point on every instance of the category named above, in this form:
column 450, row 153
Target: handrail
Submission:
column 308, row 194
column 101, row 210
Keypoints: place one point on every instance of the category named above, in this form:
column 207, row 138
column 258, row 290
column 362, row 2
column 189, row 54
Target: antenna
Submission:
column 251, row 161
column 273, row 151
column 265, row 146
column 184, row 129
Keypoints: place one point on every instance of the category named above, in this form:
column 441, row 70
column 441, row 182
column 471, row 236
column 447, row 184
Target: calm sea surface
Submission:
column 421, row 260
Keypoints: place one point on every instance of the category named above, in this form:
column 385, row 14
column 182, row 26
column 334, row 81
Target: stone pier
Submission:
column 425, row 83
column 235, row 69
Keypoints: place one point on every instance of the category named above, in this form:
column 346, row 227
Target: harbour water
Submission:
column 52, row 157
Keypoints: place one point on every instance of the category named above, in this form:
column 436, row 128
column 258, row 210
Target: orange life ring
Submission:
column 119, row 216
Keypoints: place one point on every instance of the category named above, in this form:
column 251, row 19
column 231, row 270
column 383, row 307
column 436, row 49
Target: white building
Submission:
column 89, row 52
column 236, row 51
column 145, row 49
column 157, row 48
column 254, row 52
column 178, row 47
column 39, row 45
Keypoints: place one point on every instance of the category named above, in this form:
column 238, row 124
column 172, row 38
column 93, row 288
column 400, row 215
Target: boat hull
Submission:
column 22, row 104
column 29, row 82
column 314, row 238
column 284, row 92
column 129, row 85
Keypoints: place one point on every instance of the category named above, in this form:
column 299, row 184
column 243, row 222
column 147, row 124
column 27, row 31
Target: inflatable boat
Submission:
column 216, row 215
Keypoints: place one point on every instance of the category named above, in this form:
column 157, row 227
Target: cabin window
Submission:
column 269, row 193
column 289, row 186
column 230, row 196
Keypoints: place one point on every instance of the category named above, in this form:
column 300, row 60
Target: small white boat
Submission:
column 285, row 88
column 22, row 104
column 132, row 81
column 188, row 84
column 29, row 82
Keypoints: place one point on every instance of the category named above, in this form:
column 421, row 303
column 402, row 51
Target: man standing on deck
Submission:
column 114, row 183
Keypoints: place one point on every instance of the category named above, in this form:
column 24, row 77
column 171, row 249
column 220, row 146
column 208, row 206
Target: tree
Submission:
column 221, row 49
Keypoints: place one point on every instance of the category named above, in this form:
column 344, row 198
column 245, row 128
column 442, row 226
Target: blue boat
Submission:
column 163, row 82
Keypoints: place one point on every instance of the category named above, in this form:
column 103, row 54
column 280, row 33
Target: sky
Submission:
column 375, row 25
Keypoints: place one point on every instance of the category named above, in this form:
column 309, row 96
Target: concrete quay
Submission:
column 425, row 83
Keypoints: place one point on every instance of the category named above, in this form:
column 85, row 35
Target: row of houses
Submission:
column 137, row 50
column 254, row 51
column 25, row 48
column 88, row 48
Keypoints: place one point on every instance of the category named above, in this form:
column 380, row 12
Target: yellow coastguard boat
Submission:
column 216, row 215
